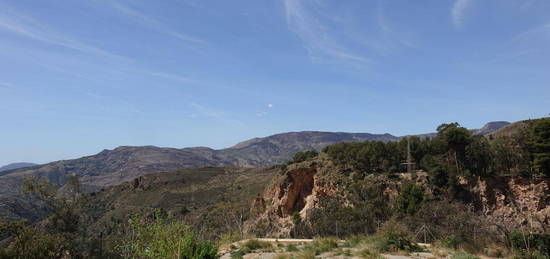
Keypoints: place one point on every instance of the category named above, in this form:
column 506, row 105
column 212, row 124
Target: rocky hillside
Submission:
column 491, row 126
column 502, row 202
column 13, row 166
column 111, row 167
column 214, row 200
column 487, row 190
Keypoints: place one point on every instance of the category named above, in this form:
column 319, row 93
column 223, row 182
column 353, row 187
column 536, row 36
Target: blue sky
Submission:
column 77, row 77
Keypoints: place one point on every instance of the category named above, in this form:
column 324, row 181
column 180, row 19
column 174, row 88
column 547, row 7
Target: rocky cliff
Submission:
column 507, row 203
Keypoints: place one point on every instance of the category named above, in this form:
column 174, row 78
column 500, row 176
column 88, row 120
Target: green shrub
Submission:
column 530, row 244
column 291, row 248
column 369, row 254
column 464, row 256
column 30, row 243
column 410, row 199
column 281, row 256
column 255, row 244
column 306, row 254
column 393, row 236
column 325, row 244
column 164, row 238
column 303, row 156
column 451, row 241
column 237, row 254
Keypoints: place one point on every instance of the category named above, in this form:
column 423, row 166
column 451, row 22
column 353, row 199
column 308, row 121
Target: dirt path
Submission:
column 226, row 251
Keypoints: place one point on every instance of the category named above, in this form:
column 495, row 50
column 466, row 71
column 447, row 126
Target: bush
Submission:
column 291, row 248
column 237, row 254
column 164, row 238
column 367, row 209
column 307, row 254
column 325, row 244
column 530, row 244
column 30, row 243
column 303, row 156
column 410, row 199
column 464, row 256
column 453, row 225
column 369, row 254
column 451, row 241
column 254, row 244
column 393, row 236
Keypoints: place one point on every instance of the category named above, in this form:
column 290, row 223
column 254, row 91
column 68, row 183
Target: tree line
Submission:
column 454, row 151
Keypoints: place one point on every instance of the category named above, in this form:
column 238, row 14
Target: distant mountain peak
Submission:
column 13, row 166
column 491, row 126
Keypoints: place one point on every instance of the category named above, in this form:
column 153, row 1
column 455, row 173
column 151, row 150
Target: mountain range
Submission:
column 112, row 167
column 13, row 166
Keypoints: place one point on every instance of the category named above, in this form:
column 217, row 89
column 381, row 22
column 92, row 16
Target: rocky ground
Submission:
column 279, row 249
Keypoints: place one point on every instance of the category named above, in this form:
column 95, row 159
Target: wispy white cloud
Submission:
column 177, row 78
column 458, row 12
column 154, row 24
column 539, row 32
column 532, row 43
column 206, row 111
column 200, row 110
column 529, row 42
column 27, row 27
column 390, row 38
column 315, row 35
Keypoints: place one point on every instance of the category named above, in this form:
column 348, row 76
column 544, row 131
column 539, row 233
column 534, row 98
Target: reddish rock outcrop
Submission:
column 513, row 203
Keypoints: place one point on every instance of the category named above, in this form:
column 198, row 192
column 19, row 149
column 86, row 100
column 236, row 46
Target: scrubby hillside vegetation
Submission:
column 150, row 212
column 465, row 191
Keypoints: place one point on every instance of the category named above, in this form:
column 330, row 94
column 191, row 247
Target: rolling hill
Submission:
column 123, row 164
column 13, row 166
column 111, row 167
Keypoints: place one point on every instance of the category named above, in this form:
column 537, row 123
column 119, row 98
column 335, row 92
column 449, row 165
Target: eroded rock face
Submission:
column 258, row 206
column 517, row 202
column 291, row 193
column 295, row 189
column 508, row 203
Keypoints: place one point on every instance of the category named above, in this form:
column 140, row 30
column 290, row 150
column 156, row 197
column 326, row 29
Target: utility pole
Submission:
column 409, row 162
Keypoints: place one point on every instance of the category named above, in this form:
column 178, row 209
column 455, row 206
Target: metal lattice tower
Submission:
column 409, row 162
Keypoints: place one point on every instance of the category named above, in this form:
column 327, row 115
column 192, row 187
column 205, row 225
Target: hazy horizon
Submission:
column 216, row 148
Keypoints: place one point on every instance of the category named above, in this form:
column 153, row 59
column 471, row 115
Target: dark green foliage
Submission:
column 437, row 170
column 464, row 256
column 62, row 233
column 303, row 156
column 323, row 245
column 255, row 244
column 479, row 158
column 453, row 152
column 410, row 199
column 333, row 218
column 452, row 223
column 291, row 248
column 451, row 241
column 369, row 157
column 393, row 236
column 508, row 156
column 530, row 244
column 237, row 254
column 163, row 237
column 27, row 242
column 541, row 145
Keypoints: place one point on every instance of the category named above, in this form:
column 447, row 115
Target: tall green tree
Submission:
column 479, row 158
column 541, row 145
column 456, row 138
